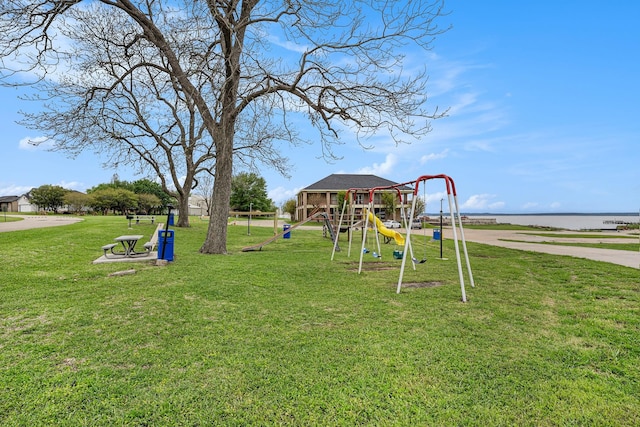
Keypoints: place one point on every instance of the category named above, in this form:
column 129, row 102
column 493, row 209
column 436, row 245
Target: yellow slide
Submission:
column 399, row 238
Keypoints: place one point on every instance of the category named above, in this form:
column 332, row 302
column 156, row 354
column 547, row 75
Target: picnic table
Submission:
column 128, row 246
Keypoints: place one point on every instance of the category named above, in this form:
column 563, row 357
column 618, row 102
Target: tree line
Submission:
column 249, row 192
column 120, row 197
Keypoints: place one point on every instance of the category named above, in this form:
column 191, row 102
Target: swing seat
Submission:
column 365, row 250
column 422, row 261
column 398, row 254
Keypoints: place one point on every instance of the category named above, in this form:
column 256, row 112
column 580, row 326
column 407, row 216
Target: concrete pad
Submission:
column 151, row 256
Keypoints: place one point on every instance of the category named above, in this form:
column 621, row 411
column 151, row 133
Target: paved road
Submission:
column 37, row 221
column 528, row 241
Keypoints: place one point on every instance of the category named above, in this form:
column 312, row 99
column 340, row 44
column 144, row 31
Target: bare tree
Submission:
column 217, row 59
column 204, row 189
column 121, row 101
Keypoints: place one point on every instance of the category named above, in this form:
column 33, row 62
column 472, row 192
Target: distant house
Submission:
column 25, row 205
column 324, row 194
column 198, row 205
column 9, row 203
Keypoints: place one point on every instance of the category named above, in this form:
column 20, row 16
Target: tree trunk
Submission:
column 216, row 241
column 183, row 209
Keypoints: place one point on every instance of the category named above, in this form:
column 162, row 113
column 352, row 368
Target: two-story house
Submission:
column 324, row 194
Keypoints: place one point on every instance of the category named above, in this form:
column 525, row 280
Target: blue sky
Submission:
column 544, row 117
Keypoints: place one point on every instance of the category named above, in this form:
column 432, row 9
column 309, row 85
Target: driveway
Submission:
column 37, row 221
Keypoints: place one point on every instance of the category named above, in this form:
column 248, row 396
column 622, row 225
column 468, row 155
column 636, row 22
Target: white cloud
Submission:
column 19, row 190
column 37, row 143
column 73, row 185
column 482, row 201
column 478, row 146
column 530, row 205
column 556, row 205
column 496, row 205
column 279, row 195
column 381, row 169
column 434, row 199
column 286, row 44
column 14, row 190
column 434, row 156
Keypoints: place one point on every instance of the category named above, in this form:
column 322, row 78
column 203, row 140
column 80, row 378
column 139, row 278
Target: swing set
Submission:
column 366, row 219
column 370, row 218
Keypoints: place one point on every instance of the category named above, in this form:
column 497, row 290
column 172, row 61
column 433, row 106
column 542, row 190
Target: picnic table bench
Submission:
column 139, row 218
column 153, row 242
column 129, row 244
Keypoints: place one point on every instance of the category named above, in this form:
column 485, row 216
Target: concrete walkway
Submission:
column 37, row 221
column 529, row 241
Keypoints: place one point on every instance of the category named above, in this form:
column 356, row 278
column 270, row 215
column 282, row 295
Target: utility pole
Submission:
column 441, row 233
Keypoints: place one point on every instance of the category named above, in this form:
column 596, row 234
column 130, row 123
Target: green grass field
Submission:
column 285, row 336
column 5, row 218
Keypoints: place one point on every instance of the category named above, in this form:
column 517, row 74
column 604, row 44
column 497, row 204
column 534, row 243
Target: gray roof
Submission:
column 8, row 199
column 345, row 181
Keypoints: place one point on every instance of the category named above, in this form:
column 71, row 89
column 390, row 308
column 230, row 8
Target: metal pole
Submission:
column 249, row 222
column 441, row 233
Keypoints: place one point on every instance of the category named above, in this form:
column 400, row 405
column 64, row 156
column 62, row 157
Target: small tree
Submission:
column 204, row 189
column 146, row 186
column 389, row 201
column 126, row 200
column 421, row 205
column 48, row 197
column 103, row 200
column 249, row 190
column 148, row 203
column 342, row 195
column 290, row 207
column 115, row 199
column 76, row 201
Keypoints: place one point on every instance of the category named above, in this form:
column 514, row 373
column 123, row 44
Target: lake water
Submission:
column 568, row 221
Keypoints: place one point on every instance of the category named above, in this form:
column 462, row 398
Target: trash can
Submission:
column 165, row 245
column 170, row 220
column 287, row 234
column 436, row 234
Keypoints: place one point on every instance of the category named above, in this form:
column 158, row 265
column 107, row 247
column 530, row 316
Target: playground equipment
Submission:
column 314, row 214
column 455, row 213
column 378, row 226
column 368, row 219
column 385, row 231
column 408, row 248
column 348, row 199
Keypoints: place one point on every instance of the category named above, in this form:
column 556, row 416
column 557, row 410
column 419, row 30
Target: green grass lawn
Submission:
column 627, row 242
column 5, row 218
column 631, row 246
column 285, row 336
column 589, row 236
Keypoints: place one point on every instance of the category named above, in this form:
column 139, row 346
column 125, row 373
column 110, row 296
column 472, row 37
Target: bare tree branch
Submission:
column 179, row 87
